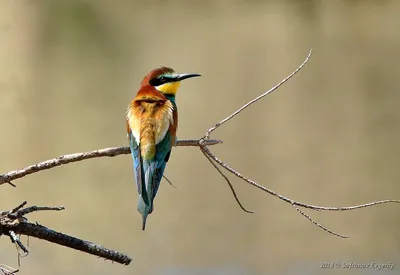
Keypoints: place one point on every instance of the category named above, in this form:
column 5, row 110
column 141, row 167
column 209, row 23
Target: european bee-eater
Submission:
column 152, row 121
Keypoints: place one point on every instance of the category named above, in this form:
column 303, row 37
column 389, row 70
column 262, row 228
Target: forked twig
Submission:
column 14, row 222
column 318, row 224
column 210, row 156
column 228, row 181
column 301, row 204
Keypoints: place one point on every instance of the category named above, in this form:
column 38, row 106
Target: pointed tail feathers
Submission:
column 144, row 209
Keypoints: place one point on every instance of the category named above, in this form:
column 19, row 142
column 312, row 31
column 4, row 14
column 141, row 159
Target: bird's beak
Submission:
column 185, row 76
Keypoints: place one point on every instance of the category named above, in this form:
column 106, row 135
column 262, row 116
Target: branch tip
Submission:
column 238, row 111
column 227, row 181
column 14, row 223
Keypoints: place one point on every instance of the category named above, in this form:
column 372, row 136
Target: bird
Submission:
column 151, row 124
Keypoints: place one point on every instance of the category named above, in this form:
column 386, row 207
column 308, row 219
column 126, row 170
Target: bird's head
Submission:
column 165, row 80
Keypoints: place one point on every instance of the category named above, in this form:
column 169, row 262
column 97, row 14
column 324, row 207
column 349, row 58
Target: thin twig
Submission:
column 16, row 209
column 294, row 203
column 65, row 159
column 12, row 184
column 319, row 225
column 35, row 208
column 273, row 193
column 229, row 183
column 8, row 270
column 170, row 182
column 212, row 129
column 215, row 160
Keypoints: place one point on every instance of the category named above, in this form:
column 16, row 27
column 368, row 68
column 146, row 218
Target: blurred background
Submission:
column 331, row 136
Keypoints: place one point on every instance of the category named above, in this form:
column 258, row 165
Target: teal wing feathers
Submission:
column 163, row 152
column 148, row 173
column 154, row 169
column 137, row 162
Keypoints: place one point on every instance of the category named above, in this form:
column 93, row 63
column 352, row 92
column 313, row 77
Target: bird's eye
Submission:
column 158, row 81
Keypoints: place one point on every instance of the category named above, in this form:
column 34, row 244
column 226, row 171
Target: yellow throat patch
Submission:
column 169, row 88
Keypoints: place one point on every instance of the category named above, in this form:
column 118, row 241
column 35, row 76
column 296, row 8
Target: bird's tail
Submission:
column 144, row 209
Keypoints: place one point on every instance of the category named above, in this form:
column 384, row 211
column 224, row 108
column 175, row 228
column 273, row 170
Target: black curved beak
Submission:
column 185, row 76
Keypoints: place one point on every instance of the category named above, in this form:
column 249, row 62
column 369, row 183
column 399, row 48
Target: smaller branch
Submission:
column 14, row 222
column 229, row 183
column 65, row 159
column 12, row 184
column 290, row 201
column 212, row 129
column 50, row 235
column 34, row 208
column 195, row 142
column 214, row 160
column 344, row 208
column 14, row 239
column 239, row 175
column 7, row 270
column 15, row 210
column 294, row 203
column 318, row 224
column 170, row 182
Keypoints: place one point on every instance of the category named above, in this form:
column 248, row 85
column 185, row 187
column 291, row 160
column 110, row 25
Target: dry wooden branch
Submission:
column 210, row 156
column 254, row 100
column 65, row 159
column 14, row 222
column 7, row 270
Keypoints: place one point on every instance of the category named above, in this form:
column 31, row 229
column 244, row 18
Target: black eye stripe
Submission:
column 160, row 80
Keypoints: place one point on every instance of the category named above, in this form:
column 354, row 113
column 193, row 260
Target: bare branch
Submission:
column 170, row 182
column 344, row 208
column 228, row 181
column 305, row 205
column 12, row 184
column 319, row 225
column 294, row 203
column 7, row 270
column 239, row 175
column 215, row 160
column 14, row 222
column 195, row 142
column 65, row 159
column 35, row 208
column 49, row 235
column 207, row 135
column 16, row 209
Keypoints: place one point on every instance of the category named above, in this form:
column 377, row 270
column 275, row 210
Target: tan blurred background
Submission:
column 331, row 136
